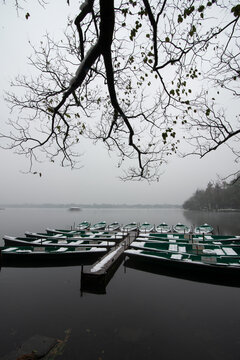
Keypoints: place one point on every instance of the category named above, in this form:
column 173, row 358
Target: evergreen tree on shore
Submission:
column 215, row 196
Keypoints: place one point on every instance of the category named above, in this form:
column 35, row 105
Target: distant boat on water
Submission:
column 75, row 208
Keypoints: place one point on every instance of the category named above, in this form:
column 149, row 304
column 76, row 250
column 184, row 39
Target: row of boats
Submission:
column 84, row 242
column 177, row 247
column 198, row 251
column 145, row 227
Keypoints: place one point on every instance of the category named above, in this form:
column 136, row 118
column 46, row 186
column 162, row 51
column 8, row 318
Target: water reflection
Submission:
column 201, row 276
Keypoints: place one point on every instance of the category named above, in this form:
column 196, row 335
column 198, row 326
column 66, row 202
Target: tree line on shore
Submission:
column 216, row 196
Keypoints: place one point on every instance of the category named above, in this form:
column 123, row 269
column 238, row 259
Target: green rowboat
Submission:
column 181, row 228
column 146, row 227
column 163, row 228
column 27, row 241
column 189, row 237
column 98, row 226
column 203, row 229
column 130, row 227
column 192, row 249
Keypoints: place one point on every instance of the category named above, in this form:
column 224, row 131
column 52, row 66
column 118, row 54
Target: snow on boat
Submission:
column 186, row 248
column 63, row 232
column 189, row 238
column 113, row 226
column 27, row 241
column 15, row 255
column 199, row 262
column 84, row 225
column 163, row 228
column 146, row 227
column 98, row 226
column 44, row 235
column 181, row 228
column 203, row 229
column 130, row 227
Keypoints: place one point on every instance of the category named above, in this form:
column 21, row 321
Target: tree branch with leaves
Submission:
column 134, row 75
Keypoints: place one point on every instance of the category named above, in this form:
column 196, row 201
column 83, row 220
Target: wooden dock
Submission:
column 96, row 278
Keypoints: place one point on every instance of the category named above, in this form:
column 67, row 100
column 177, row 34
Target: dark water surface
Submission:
column 143, row 315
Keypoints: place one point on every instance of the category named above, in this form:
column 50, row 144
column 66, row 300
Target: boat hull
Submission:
column 40, row 257
column 150, row 257
column 14, row 241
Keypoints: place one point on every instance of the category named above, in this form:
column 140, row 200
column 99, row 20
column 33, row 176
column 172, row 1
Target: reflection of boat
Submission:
column 98, row 226
column 27, row 241
column 203, row 229
column 201, row 262
column 113, row 226
column 198, row 275
column 181, row 228
column 163, row 228
column 146, row 227
column 130, row 227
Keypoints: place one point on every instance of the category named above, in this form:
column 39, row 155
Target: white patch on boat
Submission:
column 10, row 249
column 208, row 237
column 61, row 249
column 23, row 251
column 176, row 256
column 173, row 247
column 182, row 249
column 213, row 251
column 78, row 242
column 229, row 251
column 96, row 249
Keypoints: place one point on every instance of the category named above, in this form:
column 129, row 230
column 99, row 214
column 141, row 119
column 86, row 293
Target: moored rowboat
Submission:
column 146, row 227
column 44, row 235
column 130, row 227
column 163, row 228
column 84, row 225
column 103, row 235
column 203, row 229
column 181, row 228
column 27, row 241
column 194, row 261
column 113, row 226
column 218, row 239
column 32, row 254
column 186, row 248
column 98, row 226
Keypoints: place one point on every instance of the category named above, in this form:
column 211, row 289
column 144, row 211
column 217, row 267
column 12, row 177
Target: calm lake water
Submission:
column 143, row 315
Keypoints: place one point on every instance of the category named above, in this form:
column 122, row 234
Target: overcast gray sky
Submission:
column 97, row 181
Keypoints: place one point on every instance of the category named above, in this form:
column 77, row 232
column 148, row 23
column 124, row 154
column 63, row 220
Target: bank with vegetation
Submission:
column 216, row 197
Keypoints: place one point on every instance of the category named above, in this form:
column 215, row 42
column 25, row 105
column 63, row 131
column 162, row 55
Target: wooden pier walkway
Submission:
column 95, row 278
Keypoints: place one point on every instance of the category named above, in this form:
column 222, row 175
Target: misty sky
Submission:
column 97, row 181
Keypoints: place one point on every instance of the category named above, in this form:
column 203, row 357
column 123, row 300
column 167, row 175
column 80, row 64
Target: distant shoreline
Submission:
column 97, row 206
